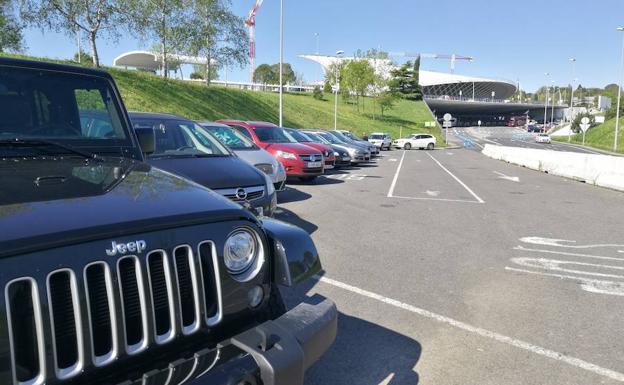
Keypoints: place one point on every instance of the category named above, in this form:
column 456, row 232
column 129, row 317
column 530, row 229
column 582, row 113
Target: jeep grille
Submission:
column 179, row 287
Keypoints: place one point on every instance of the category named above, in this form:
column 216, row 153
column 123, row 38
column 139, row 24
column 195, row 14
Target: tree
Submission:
column 83, row 58
column 165, row 21
column 10, row 29
column 404, row 82
column 386, row 101
column 327, row 87
column 358, row 76
column 70, row 16
column 269, row 74
column 576, row 123
column 263, row 74
column 317, row 93
column 217, row 34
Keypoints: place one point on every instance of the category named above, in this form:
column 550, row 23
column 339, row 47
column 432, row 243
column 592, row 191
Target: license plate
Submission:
column 314, row 164
column 329, row 166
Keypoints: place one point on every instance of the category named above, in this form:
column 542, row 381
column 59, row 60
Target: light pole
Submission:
column 617, row 113
column 546, row 103
column 571, row 114
column 337, row 86
column 281, row 66
column 473, row 91
column 552, row 112
column 318, row 74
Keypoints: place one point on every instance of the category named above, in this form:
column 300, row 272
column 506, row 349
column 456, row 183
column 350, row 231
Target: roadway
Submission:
column 447, row 268
column 476, row 138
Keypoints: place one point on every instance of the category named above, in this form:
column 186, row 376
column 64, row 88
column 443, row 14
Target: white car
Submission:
column 542, row 138
column 380, row 140
column 248, row 151
column 420, row 141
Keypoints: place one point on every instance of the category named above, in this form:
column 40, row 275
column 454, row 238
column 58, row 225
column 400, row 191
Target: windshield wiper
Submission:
column 17, row 142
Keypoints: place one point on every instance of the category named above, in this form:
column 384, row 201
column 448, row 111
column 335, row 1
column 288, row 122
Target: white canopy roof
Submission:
column 150, row 61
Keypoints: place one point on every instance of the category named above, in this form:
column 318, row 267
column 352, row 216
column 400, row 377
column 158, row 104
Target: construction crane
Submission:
column 452, row 57
column 251, row 23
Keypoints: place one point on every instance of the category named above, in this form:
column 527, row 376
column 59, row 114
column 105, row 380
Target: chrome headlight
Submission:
column 243, row 254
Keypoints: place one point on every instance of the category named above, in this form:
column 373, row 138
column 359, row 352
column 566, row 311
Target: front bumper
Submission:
column 276, row 352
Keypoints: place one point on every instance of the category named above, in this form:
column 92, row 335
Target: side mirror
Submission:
column 147, row 139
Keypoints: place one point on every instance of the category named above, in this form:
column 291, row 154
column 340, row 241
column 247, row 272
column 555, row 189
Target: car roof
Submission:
column 154, row 115
column 214, row 124
column 13, row 62
column 253, row 123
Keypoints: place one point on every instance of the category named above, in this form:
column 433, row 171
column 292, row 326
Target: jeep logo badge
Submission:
column 124, row 248
column 241, row 194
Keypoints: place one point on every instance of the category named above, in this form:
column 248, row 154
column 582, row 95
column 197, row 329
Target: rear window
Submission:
column 65, row 107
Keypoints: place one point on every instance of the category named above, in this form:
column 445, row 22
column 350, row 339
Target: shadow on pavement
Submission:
column 364, row 353
column 288, row 216
column 292, row 195
column 319, row 181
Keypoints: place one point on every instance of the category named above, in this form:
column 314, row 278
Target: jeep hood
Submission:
column 52, row 202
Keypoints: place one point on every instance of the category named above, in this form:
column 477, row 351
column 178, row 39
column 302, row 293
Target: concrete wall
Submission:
column 600, row 170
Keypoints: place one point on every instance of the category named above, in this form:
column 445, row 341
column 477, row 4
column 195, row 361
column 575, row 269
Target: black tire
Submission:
column 407, row 146
column 276, row 305
column 430, row 146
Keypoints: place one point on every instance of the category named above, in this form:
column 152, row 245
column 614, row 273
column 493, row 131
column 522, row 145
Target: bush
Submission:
column 317, row 93
column 327, row 88
column 197, row 76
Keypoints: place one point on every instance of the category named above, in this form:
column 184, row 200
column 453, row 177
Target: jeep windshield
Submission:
column 56, row 113
column 274, row 135
column 180, row 139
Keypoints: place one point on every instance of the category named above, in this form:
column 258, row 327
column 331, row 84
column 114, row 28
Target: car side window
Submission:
column 242, row 130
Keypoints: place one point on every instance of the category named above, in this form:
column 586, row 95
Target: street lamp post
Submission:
column 336, row 86
column 281, row 66
column 546, row 103
column 552, row 112
column 617, row 114
column 571, row 114
column 318, row 74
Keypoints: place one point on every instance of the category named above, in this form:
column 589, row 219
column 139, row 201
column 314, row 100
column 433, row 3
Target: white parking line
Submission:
column 396, row 176
column 435, row 199
column 458, row 180
column 572, row 361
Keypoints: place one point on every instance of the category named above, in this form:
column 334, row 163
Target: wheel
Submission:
column 276, row 305
column 430, row 146
column 407, row 146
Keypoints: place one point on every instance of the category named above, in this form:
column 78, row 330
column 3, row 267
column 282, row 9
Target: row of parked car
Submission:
column 254, row 158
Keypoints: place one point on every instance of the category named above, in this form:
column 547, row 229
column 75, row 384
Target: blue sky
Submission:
column 510, row 39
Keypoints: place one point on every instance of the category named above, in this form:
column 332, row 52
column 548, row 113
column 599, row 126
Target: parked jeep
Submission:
column 115, row 272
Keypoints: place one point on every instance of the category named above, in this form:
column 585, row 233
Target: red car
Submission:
column 328, row 152
column 300, row 161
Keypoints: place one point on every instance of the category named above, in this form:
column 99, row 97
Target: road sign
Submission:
column 447, row 124
column 585, row 120
column 447, row 117
column 584, row 126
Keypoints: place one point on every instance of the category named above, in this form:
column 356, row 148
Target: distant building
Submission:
column 604, row 103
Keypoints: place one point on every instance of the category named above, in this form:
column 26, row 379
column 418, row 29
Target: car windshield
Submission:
column 376, row 137
column 230, row 137
column 274, row 135
column 181, row 139
column 317, row 138
column 72, row 111
column 341, row 136
column 353, row 136
column 299, row 136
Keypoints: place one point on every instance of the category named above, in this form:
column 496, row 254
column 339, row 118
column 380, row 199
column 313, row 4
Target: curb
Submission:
column 605, row 152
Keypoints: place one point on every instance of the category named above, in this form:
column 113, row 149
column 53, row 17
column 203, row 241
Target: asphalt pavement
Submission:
column 476, row 138
column 449, row 268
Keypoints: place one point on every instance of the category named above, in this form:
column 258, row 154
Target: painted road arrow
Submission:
column 506, row 177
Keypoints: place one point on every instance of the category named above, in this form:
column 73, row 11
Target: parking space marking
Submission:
column 544, row 352
column 347, row 176
column 435, row 199
column 564, row 243
column 396, row 176
column 457, row 179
